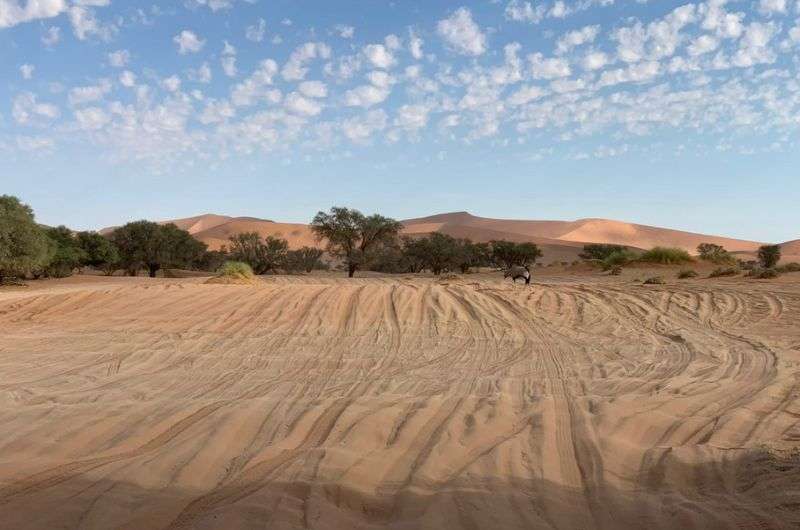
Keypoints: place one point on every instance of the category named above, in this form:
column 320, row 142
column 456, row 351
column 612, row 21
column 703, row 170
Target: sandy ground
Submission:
column 580, row 402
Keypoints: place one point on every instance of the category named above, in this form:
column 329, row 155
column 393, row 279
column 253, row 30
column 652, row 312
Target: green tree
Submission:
column 769, row 256
column 305, row 259
column 507, row 254
column 99, row 252
column 153, row 246
column 68, row 253
column 414, row 252
column 714, row 253
column 471, row 255
column 351, row 235
column 600, row 251
column 442, row 253
column 24, row 246
column 263, row 255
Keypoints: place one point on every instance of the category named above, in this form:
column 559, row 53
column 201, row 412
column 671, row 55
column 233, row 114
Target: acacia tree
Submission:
column 769, row 255
column 99, row 252
column 263, row 255
column 68, row 253
column 351, row 235
column 153, row 246
column 507, row 254
column 714, row 253
column 305, row 259
column 24, row 247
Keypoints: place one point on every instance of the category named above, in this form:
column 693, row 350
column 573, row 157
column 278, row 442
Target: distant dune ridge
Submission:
column 559, row 240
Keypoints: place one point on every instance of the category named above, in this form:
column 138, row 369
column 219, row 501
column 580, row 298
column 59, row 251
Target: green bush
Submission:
column 763, row 274
column 666, row 256
column 726, row 271
column 654, row 280
column 599, row 252
column 619, row 258
column 789, row 267
column 769, row 256
column 715, row 254
column 235, row 269
column 687, row 273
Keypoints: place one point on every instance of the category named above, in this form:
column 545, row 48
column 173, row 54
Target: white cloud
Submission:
column 462, row 34
column 172, row 83
column 127, row 78
column 594, row 61
column 188, row 42
column 379, row 55
column 119, row 58
column 258, row 86
column 228, row 60
column 201, row 74
column 702, row 45
column 313, row 89
column 548, row 68
column 365, row 96
column 256, row 32
column 302, row 105
column 85, row 24
column 87, row 94
column 26, row 70
column 771, row 7
column 572, row 39
column 415, row 45
column 295, row 68
column 525, row 95
column 525, row 12
column 26, row 109
column 12, row 13
column 52, row 36
column 412, row 117
column 362, row 128
column 345, row 32
column 92, row 118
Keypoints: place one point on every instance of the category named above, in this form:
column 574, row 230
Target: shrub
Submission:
column 616, row 271
column 666, row 256
column 769, row 256
column 654, row 280
column 618, row 259
column 789, row 267
column 763, row 274
column 597, row 251
column 235, row 270
column 723, row 271
column 687, row 273
column 715, row 254
column 68, row 253
column 747, row 265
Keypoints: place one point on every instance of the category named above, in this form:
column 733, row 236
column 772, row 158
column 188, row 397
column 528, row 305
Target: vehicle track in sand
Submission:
column 397, row 402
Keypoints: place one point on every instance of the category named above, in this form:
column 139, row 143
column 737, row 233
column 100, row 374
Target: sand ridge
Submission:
column 317, row 402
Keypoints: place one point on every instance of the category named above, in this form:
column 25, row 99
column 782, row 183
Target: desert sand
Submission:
column 580, row 402
column 561, row 241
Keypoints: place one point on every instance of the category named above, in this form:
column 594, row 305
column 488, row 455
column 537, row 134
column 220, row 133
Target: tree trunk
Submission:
column 351, row 269
column 153, row 269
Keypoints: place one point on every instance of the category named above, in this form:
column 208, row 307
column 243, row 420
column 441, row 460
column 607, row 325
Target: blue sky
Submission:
column 679, row 114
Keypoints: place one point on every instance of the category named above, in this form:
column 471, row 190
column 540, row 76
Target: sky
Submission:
column 676, row 114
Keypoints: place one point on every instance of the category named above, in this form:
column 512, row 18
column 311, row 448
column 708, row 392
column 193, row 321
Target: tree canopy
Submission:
column 154, row 246
column 351, row 235
column 769, row 256
column 24, row 246
column 263, row 255
column 506, row 254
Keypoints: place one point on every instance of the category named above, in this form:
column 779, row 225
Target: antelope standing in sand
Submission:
column 518, row 272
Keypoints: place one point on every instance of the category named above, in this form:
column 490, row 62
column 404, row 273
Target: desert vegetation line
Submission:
column 351, row 240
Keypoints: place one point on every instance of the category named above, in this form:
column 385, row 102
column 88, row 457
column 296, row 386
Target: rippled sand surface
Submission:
column 403, row 403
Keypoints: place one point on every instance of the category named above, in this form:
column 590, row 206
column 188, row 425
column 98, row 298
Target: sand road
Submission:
column 400, row 403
